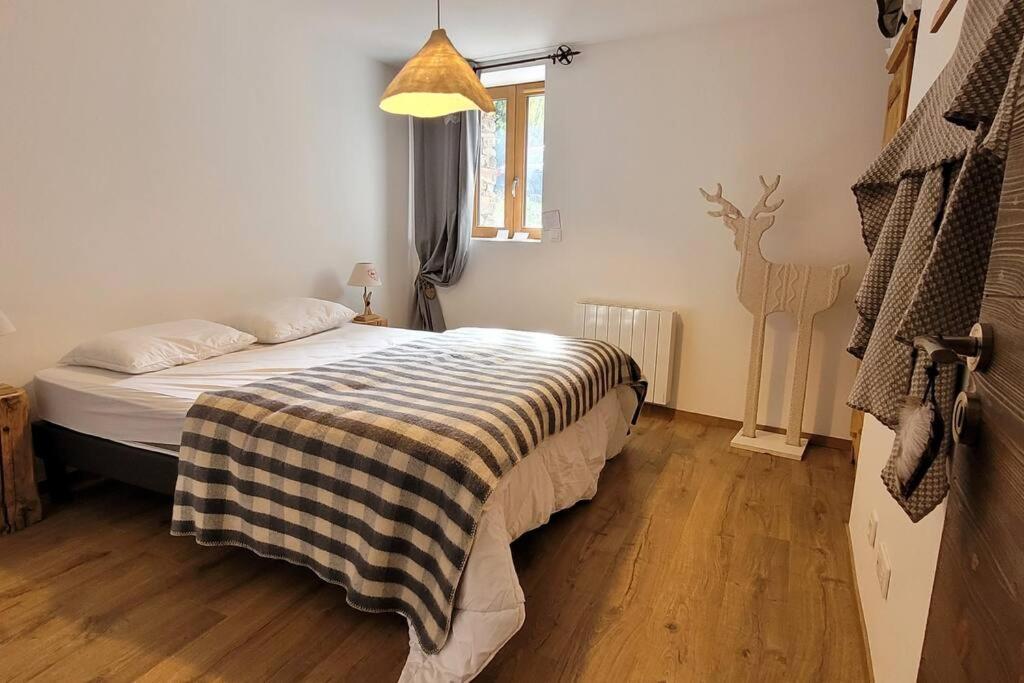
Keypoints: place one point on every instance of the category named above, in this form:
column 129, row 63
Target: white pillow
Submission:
column 288, row 319
column 156, row 347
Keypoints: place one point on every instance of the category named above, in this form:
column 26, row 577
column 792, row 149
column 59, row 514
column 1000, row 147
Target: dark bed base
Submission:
column 61, row 448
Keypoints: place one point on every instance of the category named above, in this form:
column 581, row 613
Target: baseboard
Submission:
column 844, row 445
column 860, row 605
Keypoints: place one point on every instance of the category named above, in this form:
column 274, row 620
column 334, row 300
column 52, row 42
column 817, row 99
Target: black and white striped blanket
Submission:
column 373, row 472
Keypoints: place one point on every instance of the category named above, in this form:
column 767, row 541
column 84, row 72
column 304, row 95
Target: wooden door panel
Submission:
column 987, row 477
column 1001, row 384
column 977, row 594
column 975, row 617
column 1005, row 276
column 976, row 621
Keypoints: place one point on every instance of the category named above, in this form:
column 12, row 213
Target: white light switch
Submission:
column 872, row 528
column 883, row 570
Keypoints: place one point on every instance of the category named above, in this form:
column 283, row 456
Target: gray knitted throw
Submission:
column 928, row 208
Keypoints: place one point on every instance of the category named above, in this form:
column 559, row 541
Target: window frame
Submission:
column 517, row 98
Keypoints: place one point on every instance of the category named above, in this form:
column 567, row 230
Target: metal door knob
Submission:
column 975, row 351
column 966, row 419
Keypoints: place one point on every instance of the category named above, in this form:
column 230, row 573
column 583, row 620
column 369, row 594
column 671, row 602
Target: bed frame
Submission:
column 60, row 448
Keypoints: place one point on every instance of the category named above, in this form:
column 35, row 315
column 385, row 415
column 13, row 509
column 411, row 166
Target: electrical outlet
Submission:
column 872, row 528
column 883, row 570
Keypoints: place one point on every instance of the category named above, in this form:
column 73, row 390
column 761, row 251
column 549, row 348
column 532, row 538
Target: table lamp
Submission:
column 365, row 275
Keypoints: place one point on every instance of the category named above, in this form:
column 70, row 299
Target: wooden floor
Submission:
column 693, row 563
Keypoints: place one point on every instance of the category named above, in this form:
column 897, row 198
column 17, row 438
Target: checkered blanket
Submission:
column 373, row 472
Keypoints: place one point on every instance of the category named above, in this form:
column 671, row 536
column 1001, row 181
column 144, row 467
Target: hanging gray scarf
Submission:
column 928, row 207
column 445, row 152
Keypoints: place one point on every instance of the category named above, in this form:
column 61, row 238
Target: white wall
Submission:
column 896, row 625
column 161, row 160
column 634, row 127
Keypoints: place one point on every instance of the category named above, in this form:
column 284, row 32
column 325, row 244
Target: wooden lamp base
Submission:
column 371, row 319
column 368, row 317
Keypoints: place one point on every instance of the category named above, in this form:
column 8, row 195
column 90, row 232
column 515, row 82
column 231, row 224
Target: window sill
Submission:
column 505, row 240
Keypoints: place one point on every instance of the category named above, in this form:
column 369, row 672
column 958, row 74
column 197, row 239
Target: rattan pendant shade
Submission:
column 435, row 82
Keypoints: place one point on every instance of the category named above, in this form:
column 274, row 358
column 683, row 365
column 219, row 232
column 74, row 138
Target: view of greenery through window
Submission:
column 534, row 161
column 493, row 164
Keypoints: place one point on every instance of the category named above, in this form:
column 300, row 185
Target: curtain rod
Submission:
column 563, row 55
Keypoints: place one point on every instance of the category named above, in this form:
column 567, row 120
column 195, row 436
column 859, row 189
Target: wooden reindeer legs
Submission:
column 798, row 390
column 754, row 377
column 765, row 288
column 754, row 365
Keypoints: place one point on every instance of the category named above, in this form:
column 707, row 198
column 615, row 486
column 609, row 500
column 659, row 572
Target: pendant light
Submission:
column 436, row 81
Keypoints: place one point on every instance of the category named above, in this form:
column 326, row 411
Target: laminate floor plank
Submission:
column 692, row 563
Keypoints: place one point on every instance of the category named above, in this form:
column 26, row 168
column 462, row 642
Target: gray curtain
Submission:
column 446, row 151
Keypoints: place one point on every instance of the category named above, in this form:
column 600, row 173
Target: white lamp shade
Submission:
column 6, row 327
column 365, row 275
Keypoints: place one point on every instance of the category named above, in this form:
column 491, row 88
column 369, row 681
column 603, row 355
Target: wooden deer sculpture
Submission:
column 765, row 288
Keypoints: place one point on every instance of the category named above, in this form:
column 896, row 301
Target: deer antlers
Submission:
column 763, row 206
column 728, row 210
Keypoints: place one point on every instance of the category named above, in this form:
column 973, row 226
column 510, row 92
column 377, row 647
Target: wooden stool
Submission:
column 19, row 496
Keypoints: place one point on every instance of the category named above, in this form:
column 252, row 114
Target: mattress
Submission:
column 148, row 411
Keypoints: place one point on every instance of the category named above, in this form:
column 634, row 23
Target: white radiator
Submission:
column 645, row 334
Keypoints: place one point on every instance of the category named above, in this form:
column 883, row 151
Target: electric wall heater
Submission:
column 647, row 334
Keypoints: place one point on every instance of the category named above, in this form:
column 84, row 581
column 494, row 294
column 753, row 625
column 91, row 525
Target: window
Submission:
column 510, row 184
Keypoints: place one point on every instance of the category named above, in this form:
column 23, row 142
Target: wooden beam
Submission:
column 905, row 41
column 941, row 14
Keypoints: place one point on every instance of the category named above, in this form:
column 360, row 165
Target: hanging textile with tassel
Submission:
column 920, row 435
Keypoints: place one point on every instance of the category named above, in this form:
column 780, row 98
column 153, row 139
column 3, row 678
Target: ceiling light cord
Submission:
column 439, row 13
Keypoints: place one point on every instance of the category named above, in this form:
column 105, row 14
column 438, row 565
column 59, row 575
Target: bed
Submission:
column 130, row 427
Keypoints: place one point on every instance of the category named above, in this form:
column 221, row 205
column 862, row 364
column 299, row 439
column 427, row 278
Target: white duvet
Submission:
column 150, row 409
column 489, row 605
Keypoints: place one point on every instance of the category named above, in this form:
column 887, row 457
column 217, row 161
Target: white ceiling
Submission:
column 392, row 30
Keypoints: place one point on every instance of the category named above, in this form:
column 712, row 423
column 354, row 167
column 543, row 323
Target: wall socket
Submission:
column 872, row 528
column 883, row 571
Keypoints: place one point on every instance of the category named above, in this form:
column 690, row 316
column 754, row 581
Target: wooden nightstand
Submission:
column 372, row 319
column 19, row 497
